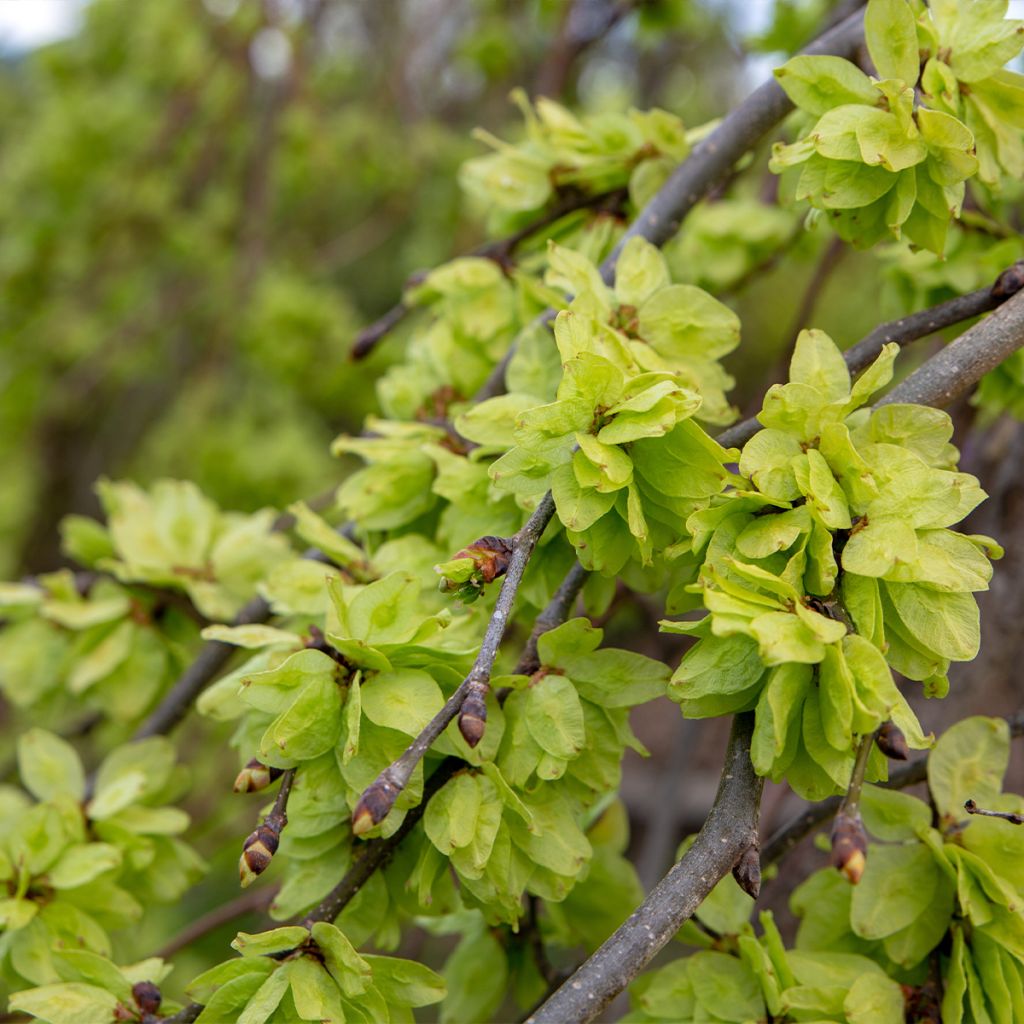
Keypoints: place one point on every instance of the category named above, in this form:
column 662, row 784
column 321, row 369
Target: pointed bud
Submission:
column 147, row 996
column 257, row 852
column 256, row 776
column 849, row 846
column 374, row 805
column 892, row 742
column 1010, row 281
column 473, row 715
column 747, row 871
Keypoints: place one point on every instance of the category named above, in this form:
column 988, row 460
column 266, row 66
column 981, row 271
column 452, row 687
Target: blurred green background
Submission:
column 203, row 200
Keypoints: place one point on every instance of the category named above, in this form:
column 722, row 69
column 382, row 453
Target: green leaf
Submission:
column 81, row 864
column 578, row 507
column 351, row 971
column 315, row 993
column 896, row 888
column 450, row 820
column 726, row 987
column 969, row 762
column 307, row 728
column 49, row 766
column 818, row 363
column 640, row 271
column 405, row 982
column 251, row 636
column 69, row 1003
column 266, row 999
column 891, row 35
column 277, row 940
column 946, row 623
column 403, row 699
column 890, row 814
column 777, row 722
column 767, row 461
column 874, row 999
column 203, row 987
column 476, row 977
column 817, row 84
column 555, row 717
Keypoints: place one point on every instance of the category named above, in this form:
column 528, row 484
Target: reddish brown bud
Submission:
column 256, row 776
column 1010, row 281
column 257, row 852
column 849, row 846
column 747, row 871
column 491, row 555
column 473, row 715
column 374, row 805
column 892, row 742
column 147, row 996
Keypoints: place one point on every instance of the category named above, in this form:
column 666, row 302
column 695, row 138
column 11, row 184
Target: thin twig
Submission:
column 928, row 321
column 1011, row 816
column 907, row 329
column 379, row 797
column 375, row 853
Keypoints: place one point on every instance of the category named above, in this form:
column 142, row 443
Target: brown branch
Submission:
column 379, row 797
column 961, row 364
column 730, row 830
column 375, row 853
column 906, row 330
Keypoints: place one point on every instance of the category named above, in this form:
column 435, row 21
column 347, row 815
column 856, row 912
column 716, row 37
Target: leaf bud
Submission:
column 147, row 996
column 892, row 742
column 1010, row 281
column 849, row 846
column 747, row 871
column 472, row 568
column 374, row 805
column 473, row 715
column 256, row 776
column 257, row 852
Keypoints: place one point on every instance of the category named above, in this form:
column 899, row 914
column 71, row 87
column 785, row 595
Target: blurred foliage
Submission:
column 204, row 201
